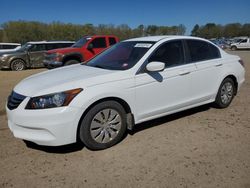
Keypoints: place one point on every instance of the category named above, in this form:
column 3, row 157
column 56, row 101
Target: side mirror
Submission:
column 90, row 46
column 155, row 66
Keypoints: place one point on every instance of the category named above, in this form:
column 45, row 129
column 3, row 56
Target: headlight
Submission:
column 57, row 56
column 3, row 57
column 52, row 100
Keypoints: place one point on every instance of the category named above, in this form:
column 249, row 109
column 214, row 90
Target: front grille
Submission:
column 14, row 100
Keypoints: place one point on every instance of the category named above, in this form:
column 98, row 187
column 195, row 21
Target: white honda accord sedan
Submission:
column 132, row 82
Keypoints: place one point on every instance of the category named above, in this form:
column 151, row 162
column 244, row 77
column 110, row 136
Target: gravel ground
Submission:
column 201, row 147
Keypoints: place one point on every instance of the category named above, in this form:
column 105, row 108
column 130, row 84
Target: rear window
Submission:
column 202, row 50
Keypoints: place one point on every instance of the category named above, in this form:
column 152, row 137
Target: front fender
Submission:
column 72, row 55
column 22, row 57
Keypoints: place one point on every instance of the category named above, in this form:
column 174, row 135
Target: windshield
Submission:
column 25, row 47
column 81, row 42
column 121, row 56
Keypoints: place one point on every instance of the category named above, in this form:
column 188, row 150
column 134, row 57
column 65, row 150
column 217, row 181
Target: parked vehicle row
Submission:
column 133, row 81
column 30, row 55
column 81, row 51
column 236, row 43
column 52, row 54
column 241, row 44
column 221, row 43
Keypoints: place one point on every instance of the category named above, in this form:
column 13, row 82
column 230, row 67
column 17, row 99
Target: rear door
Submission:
column 111, row 41
column 209, row 66
column 158, row 93
column 36, row 55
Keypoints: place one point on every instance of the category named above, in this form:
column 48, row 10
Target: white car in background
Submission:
column 4, row 47
column 132, row 82
column 242, row 44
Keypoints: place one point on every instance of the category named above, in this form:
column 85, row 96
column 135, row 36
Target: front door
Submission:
column 158, row 93
column 36, row 55
column 98, row 45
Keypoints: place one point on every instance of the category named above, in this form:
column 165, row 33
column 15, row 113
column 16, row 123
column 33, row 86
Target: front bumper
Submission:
column 4, row 64
column 52, row 64
column 50, row 127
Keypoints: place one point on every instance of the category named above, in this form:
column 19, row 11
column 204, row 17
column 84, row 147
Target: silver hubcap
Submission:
column 105, row 126
column 226, row 93
column 18, row 65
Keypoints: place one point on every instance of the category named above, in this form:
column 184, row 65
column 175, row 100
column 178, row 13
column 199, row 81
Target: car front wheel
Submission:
column 103, row 126
column 225, row 94
column 234, row 48
column 17, row 65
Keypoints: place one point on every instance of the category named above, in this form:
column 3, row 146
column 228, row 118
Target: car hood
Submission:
column 63, row 50
column 7, row 51
column 61, row 79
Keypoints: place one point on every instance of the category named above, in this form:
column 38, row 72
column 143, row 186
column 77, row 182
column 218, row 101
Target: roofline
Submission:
column 162, row 37
column 9, row 43
column 48, row 42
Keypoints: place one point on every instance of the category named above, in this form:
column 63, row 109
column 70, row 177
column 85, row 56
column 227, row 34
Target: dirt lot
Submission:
column 202, row 147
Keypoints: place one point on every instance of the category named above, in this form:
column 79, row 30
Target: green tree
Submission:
column 245, row 31
column 195, row 31
column 232, row 30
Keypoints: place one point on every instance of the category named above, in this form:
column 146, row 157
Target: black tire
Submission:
column 224, row 99
column 71, row 62
column 99, row 141
column 17, row 65
column 233, row 48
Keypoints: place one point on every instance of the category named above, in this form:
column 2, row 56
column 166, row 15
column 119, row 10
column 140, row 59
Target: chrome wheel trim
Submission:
column 226, row 93
column 105, row 125
column 18, row 65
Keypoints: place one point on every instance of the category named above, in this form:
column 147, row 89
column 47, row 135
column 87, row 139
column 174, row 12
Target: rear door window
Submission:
column 99, row 43
column 112, row 41
column 38, row 47
column 201, row 50
column 50, row 46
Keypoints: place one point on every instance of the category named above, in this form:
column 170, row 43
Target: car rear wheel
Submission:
column 225, row 94
column 103, row 126
column 17, row 65
column 71, row 62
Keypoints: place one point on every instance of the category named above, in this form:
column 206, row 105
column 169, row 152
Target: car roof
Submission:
column 161, row 37
column 49, row 42
column 92, row 36
column 7, row 43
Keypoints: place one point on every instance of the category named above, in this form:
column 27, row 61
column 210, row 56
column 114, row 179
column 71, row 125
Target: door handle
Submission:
column 218, row 65
column 184, row 72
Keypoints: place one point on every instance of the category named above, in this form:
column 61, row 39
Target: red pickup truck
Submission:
column 81, row 51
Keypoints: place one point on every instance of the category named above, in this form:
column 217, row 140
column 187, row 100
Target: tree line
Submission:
column 24, row 31
column 212, row 30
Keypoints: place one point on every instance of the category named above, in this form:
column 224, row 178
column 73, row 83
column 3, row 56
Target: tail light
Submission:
column 241, row 62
